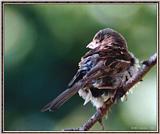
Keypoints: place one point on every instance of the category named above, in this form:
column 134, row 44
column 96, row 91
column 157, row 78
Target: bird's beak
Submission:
column 92, row 45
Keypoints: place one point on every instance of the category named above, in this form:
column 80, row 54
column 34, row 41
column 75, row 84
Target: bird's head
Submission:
column 107, row 37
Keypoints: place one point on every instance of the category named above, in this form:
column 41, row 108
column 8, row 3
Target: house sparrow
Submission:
column 102, row 70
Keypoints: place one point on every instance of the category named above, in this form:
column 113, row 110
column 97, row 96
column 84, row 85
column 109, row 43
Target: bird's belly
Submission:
column 96, row 101
column 102, row 94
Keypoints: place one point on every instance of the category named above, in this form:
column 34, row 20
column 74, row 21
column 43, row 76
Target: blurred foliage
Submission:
column 43, row 45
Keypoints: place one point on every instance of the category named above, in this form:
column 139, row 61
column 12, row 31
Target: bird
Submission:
column 106, row 67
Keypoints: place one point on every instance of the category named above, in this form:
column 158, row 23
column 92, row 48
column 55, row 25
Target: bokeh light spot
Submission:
column 19, row 38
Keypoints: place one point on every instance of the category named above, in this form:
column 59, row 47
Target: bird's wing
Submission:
column 78, row 76
column 86, row 64
column 113, row 61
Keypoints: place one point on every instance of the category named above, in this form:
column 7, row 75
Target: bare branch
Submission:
column 146, row 66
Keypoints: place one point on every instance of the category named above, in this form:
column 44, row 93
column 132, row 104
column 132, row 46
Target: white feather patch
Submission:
column 88, row 97
column 97, row 102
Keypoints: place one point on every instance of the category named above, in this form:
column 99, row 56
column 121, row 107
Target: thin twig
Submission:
column 146, row 66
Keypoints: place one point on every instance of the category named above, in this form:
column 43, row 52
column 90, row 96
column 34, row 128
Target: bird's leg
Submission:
column 113, row 98
column 118, row 93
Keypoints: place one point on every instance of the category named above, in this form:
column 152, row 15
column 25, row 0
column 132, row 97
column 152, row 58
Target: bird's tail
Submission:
column 60, row 100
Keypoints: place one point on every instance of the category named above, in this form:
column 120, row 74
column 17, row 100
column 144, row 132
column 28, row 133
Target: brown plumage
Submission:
column 104, row 68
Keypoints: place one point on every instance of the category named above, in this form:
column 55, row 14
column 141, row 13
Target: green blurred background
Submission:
column 43, row 45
